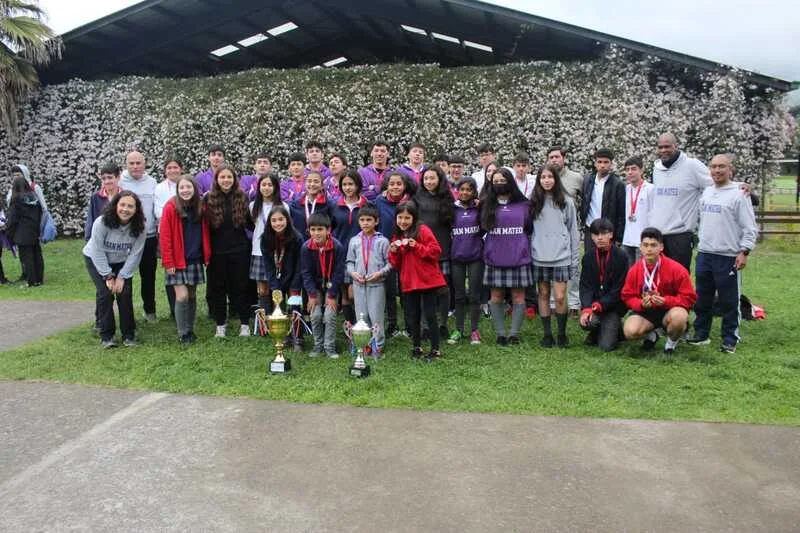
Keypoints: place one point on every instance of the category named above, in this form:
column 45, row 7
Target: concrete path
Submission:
column 48, row 318
column 77, row 458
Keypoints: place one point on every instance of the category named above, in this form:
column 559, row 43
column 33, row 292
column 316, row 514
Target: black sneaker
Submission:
column 502, row 341
column 416, row 353
column 433, row 354
column 697, row 341
column 562, row 341
column 728, row 348
column 513, row 340
column 649, row 342
column 547, row 341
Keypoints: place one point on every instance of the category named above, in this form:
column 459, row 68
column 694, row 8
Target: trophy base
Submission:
column 359, row 372
column 280, row 367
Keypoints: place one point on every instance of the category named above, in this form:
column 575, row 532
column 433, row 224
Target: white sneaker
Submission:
column 220, row 332
column 244, row 330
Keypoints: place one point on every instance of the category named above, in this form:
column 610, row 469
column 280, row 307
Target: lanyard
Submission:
column 326, row 269
column 602, row 265
column 366, row 251
column 635, row 199
column 313, row 207
column 650, row 280
column 278, row 260
column 526, row 185
column 298, row 185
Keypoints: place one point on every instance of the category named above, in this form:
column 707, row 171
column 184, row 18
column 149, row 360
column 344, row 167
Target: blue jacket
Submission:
column 345, row 220
column 290, row 280
column 312, row 273
column 297, row 210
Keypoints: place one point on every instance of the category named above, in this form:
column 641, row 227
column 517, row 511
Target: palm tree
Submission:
column 26, row 42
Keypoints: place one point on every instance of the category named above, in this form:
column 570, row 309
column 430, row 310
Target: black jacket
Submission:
column 613, row 206
column 609, row 295
column 290, row 280
column 24, row 220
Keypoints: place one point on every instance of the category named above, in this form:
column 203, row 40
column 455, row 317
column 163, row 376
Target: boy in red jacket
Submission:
column 659, row 291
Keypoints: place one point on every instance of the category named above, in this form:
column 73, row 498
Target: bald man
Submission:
column 135, row 179
column 678, row 183
column 728, row 233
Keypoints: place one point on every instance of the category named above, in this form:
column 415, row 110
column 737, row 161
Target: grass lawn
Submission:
column 760, row 383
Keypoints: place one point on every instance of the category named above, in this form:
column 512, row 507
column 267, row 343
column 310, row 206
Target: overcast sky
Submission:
column 763, row 36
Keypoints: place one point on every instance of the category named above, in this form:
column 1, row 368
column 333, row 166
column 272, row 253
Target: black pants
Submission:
column 2, row 273
column 425, row 300
column 32, row 263
column 608, row 331
column 105, row 304
column 147, row 273
column 461, row 271
column 228, row 277
column 391, row 300
column 679, row 248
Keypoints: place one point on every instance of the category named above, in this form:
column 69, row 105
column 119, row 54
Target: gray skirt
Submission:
column 545, row 273
column 258, row 268
column 507, row 277
column 193, row 274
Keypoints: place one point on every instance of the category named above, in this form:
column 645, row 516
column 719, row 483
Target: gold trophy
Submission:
column 361, row 334
column 278, row 329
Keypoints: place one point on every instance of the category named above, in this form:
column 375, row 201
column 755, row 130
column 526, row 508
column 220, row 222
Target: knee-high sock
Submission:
column 517, row 315
column 548, row 330
column 191, row 313
column 181, row 316
column 561, row 320
column 498, row 315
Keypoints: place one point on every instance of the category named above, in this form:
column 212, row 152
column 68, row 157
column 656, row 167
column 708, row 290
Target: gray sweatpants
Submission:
column 371, row 301
column 323, row 326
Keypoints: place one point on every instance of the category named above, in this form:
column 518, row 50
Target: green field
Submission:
column 760, row 383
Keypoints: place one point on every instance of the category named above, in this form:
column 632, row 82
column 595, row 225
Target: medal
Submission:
column 632, row 218
column 328, row 285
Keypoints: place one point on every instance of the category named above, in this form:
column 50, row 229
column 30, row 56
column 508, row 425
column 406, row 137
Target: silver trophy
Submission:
column 361, row 335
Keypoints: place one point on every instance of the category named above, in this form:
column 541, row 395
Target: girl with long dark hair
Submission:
column 268, row 196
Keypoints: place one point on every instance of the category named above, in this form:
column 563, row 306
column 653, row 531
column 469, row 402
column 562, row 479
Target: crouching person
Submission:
column 659, row 291
column 602, row 276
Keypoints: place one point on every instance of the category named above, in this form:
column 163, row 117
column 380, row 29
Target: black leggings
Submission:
column 461, row 271
column 425, row 300
column 32, row 262
column 228, row 276
column 147, row 274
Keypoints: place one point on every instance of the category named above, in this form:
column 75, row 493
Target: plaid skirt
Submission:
column 194, row 274
column 508, row 277
column 444, row 266
column 258, row 268
column 544, row 273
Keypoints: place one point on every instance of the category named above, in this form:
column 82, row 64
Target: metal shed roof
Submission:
column 180, row 38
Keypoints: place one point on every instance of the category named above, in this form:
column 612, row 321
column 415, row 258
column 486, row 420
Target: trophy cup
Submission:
column 362, row 335
column 278, row 329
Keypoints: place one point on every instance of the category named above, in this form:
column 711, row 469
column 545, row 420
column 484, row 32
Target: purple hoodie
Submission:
column 372, row 180
column 508, row 244
column 292, row 190
column 467, row 243
column 204, row 180
column 412, row 174
column 248, row 185
column 324, row 170
column 331, row 186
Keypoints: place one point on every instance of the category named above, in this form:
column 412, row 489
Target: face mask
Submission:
column 501, row 188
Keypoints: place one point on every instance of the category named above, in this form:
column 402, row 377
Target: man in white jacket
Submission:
column 136, row 180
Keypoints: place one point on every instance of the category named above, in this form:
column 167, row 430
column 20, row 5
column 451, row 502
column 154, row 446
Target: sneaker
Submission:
column 130, row 343
column 451, row 313
column 670, row 345
column 108, row 344
column 530, row 312
column 501, row 340
column 433, row 354
column 513, row 339
column 150, row 318
column 244, row 330
column 454, row 338
column 401, row 333
column 728, row 348
column 650, row 341
column 697, row 341
column 547, row 341
column 562, row 341
column 220, row 334
column 391, row 331
column 416, row 353
column 314, row 353
column 191, row 336
column 485, row 311
column 475, row 337
column 333, row 355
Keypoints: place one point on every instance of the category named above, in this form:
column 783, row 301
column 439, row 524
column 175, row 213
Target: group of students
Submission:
column 333, row 238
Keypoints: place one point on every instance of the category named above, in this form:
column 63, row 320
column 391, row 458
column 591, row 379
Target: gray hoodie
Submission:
column 378, row 258
column 555, row 240
column 675, row 198
column 112, row 246
column 727, row 221
column 145, row 189
column 35, row 186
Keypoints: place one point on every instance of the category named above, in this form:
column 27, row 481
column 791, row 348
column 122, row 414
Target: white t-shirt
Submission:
column 260, row 223
column 596, row 201
column 633, row 228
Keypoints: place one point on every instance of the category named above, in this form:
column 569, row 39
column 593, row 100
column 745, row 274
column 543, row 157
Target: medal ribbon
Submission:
column 313, row 207
column 326, row 269
column 366, row 251
column 651, row 280
column 602, row 265
column 278, row 258
column 635, row 199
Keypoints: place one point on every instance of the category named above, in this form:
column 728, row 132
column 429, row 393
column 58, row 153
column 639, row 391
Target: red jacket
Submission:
column 672, row 282
column 418, row 266
column 171, row 238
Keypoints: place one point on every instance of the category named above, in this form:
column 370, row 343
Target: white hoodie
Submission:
column 675, row 197
column 36, row 188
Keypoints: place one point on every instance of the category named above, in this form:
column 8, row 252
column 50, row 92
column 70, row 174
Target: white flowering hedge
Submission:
column 68, row 130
